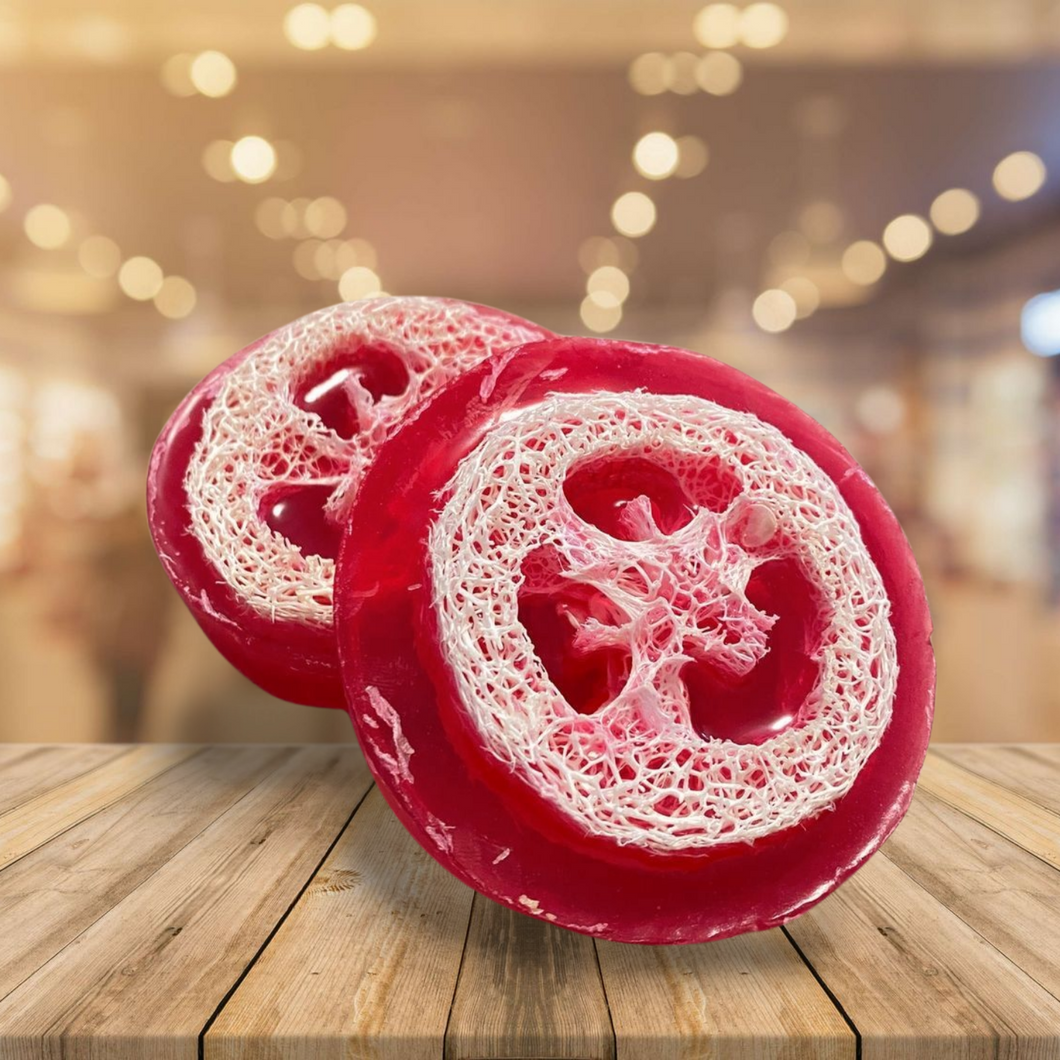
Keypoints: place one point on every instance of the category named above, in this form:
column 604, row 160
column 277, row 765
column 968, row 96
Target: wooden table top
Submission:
column 262, row 902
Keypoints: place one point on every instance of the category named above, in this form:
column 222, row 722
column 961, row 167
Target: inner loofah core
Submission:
column 294, row 426
column 661, row 615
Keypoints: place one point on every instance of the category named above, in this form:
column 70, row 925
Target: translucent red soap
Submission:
column 631, row 643
column 250, row 480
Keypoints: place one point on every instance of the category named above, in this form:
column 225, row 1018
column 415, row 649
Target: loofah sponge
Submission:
column 632, row 644
column 252, row 476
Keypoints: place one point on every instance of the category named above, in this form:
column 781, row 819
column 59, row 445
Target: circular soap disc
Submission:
column 251, row 477
column 632, row 644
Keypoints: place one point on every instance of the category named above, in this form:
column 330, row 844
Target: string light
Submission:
column 633, row 214
column 1019, row 176
column 608, row 286
column 650, row 74
column 717, row 26
column 47, row 226
column 763, row 25
column 359, row 282
column 352, row 27
column 655, row 155
column 600, row 318
column 175, row 298
column 955, row 211
column 307, row 26
column 212, row 74
column 253, row 159
column 719, row 73
column 140, row 278
column 99, row 256
column 692, row 157
column 863, row 262
column 774, row 310
column 907, row 237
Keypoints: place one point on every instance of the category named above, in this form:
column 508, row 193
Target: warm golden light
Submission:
column 176, row 75
column 175, row 298
column 863, row 262
column 649, row 74
column 655, row 155
column 774, row 310
column 822, row 221
column 683, row 66
column 326, row 259
column 352, row 27
column 213, row 74
column 253, row 159
column 955, row 211
column 217, row 160
column 692, row 156
column 600, row 318
column 99, row 256
column 140, row 278
column 47, row 226
column 907, row 237
column 763, row 25
column 1019, row 176
column 305, row 259
column 325, row 217
column 717, row 26
column 804, row 293
column 608, row 286
column 789, row 250
column 5, row 193
column 352, row 252
column 307, row 26
column 633, row 214
column 269, row 217
column 359, row 282
column 719, row 73
column 294, row 218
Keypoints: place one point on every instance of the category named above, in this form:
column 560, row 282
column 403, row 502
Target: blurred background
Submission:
column 856, row 202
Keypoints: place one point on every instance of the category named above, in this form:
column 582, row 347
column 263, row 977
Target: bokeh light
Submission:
column 140, row 278
column 176, row 75
column 308, row 26
column 99, row 256
column 633, row 214
column 719, row 73
column 304, row 259
column 269, row 217
column 864, row 262
column 217, row 160
column 774, row 310
column 359, row 282
column 175, row 299
column 1019, row 176
column 600, row 318
column 804, row 293
column 655, row 155
column 763, row 25
column 325, row 217
column 608, row 286
column 212, row 74
column 253, row 159
column 821, row 221
column 47, row 226
column 955, row 211
column 692, row 157
column 5, row 193
column 907, row 237
column 650, row 73
column 352, row 27
column 717, row 25
column 683, row 66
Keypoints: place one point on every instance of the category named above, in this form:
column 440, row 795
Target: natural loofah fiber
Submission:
column 635, row 770
column 257, row 439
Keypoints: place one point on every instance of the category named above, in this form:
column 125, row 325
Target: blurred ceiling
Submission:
column 476, row 144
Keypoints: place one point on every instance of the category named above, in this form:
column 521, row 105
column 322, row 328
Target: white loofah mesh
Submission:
column 636, row 770
column 256, row 438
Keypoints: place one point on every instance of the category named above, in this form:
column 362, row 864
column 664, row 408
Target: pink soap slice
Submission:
column 251, row 477
column 632, row 644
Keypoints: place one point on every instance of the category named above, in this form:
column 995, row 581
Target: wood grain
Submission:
column 916, row 980
column 29, row 770
column 1030, row 770
column 1014, row 816
column 54, row 893
column 745, row 997
column 145, row 978
column 50, row 813
column 527, row 989
column 365, row 965
column 1006, row 894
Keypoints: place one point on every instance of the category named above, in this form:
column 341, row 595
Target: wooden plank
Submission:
column 29, row 770
column 527, row 989
column 54, row 893
column 33, row 823
column 746, row 997
column 1014, row 816
column 1030, row 770
column 145, row 978
column 365, row 965
column 916, row 980
column 1007, row 894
